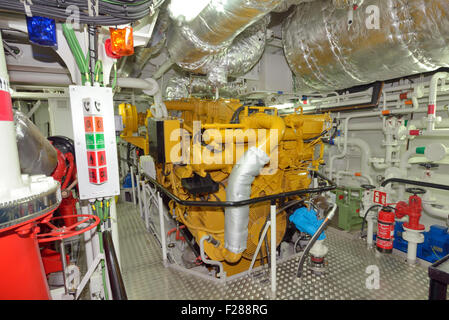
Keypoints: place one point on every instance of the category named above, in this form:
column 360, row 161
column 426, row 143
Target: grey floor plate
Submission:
column 146, row 278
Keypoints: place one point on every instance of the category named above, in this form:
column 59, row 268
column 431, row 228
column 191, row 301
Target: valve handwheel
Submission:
column 64, row 232
column 416, row 191
column 368, row 186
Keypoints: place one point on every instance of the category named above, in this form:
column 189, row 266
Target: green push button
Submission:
column 90, row 139
column 99, row 139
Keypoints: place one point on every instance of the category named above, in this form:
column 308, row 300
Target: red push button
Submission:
column 91, row 159
column 89, row 124
column 99, row 124
column 101, row 156
column 103, row 172
column 93, row 178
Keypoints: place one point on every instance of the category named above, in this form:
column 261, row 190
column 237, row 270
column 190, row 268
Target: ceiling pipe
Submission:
column 150, row 87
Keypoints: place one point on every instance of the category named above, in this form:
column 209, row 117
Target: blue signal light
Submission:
column 42, row 31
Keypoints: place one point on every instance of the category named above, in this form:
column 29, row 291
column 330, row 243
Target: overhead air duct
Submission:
column 329, row 49
column 240, row 57
column 183, row 87
column 192, row 43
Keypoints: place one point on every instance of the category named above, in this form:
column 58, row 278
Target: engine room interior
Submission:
column 224, row 150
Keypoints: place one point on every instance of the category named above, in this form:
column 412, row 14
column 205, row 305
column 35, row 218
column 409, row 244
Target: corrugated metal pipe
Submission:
column 340, row 4
column 239, row 58
column 191, row 43
column 329, row 49
column 183, row 87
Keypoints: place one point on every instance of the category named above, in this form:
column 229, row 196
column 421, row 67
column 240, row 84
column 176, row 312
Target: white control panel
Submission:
column 95, row 142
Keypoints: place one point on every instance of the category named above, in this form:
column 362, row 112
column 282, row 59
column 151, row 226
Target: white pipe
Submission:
column 411, row 252
column 139, row 193
column 347, row 173
column 221, row 274
column 403, row 165
column 149, row 87
column 427, row 202
column 345, row 148
column 273, row 249
column 162, row 226
column 365, row 150
column 133, row 185
column 40, row 78
column 34, row 109
column 370, row 230
column 431, row 114
column 378, row 126
column 262, row 237
column 87, row 240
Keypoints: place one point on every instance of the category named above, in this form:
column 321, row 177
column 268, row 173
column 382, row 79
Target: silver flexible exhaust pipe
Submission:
column 247, row 168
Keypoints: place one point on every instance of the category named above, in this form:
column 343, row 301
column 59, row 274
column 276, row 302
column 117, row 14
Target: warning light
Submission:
column 42, row 31
column 122, row 42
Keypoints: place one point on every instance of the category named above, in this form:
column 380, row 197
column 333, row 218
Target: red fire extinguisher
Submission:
column 385, row 230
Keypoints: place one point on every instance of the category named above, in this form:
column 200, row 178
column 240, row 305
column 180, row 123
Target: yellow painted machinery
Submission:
column 196, row 151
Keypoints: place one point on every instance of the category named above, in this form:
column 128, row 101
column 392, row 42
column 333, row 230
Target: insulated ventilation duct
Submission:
column 328, row 50
column 190, row 44
column 240, row 57
column 340, row 4
column 183, row 87
column 286, row 4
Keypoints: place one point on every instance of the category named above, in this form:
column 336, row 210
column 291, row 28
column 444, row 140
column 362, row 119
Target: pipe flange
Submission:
column 38, row 203
column 414, row 236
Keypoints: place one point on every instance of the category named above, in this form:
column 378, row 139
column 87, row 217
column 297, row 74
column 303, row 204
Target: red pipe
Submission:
column 68, row 178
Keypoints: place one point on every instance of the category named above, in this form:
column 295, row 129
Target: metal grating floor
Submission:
column 145, row 276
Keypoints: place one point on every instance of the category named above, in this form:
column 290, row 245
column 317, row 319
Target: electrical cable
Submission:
column 364, row 218
column 77, row 52
column 317, row 137
column 303, row 236
column 235, row 119
column 111, row 13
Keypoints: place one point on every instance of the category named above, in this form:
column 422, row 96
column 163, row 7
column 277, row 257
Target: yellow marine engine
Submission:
column 222, row 150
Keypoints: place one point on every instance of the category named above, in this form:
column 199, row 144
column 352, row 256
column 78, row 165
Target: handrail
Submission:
column 416, row 183
column 115, row 276
column 241, row 203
